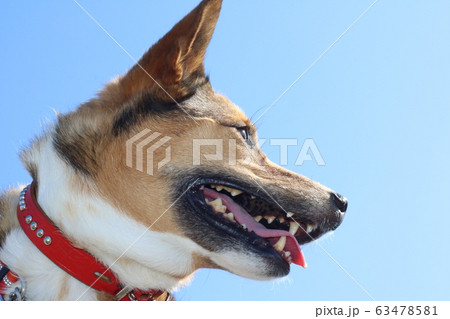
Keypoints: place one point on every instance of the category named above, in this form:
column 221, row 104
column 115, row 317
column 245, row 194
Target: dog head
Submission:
column 168, row 152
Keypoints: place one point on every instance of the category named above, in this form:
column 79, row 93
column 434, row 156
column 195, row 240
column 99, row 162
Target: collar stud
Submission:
column 47, row 240
column 40, row 232
column 28, row 219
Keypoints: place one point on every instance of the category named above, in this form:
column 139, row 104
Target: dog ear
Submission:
column 173, row 67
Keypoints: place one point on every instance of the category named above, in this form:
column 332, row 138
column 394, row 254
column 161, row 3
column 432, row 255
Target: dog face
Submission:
column 246, row 213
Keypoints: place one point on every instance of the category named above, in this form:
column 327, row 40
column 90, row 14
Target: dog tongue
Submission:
column 244, row 218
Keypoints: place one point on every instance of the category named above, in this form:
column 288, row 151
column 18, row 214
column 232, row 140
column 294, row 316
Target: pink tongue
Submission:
column 244, row 218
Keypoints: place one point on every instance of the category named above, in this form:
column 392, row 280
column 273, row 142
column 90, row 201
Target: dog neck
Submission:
column 141, row 258
column 77, row 262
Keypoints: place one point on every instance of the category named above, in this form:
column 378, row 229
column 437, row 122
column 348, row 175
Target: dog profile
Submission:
column 149, row 215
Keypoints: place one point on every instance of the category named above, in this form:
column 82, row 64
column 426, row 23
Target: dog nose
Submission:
column 340, row 201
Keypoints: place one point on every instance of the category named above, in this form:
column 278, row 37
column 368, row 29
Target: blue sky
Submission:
column 376, row 105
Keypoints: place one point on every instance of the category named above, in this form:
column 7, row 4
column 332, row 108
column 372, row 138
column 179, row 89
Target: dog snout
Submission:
column 340, row 201
column 337, row 217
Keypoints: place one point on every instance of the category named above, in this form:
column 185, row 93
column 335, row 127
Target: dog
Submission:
column 95, row 225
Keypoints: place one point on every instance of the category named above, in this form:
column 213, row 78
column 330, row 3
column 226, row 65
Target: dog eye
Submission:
column 244, row 132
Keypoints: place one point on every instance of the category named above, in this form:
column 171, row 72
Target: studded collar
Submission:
column 76, row 262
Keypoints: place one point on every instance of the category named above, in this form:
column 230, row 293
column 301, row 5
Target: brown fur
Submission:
column 171, row 73
column 167, row 91
column 8, row 216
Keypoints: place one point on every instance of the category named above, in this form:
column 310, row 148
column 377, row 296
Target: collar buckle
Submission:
column 18, row 294
column 124, row 292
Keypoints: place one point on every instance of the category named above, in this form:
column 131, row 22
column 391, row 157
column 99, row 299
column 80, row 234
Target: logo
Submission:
column 140, row 150
column 208, row 150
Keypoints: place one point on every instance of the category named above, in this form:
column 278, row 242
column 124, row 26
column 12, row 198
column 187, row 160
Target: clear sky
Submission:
column 377, row 105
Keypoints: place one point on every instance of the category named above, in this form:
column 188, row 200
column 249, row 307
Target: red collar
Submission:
column 76, row 262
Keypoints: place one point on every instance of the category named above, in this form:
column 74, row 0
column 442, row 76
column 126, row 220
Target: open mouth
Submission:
column 262, row 223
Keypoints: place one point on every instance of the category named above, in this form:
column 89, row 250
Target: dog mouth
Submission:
column 257, row 219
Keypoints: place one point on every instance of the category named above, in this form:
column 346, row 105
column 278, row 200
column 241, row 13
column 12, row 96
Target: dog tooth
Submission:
column 280, row 243
column 257, row 218
column 244, row 226
column 228, row 189
column 236, row 192
column 281, row 220
column 293, row 227
column 217, row 205
column 286, row 255
column 269, row 219
column 232, row 191
column 230, row 216
column 221, row 208
column 310, row 228
column 289, row 214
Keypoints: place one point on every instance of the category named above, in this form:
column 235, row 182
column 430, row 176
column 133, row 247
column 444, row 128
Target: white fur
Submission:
column 242, row 264
column 141, row 258
column 44, row 280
